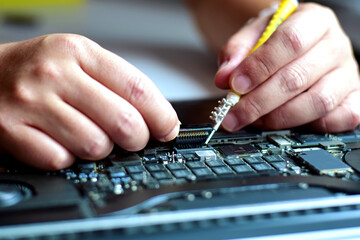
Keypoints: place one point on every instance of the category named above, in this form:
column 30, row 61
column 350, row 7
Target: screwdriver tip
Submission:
column 210, row 136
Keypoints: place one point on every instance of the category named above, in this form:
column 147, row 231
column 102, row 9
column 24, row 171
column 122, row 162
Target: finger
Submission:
column 132, row 85
column 35, row 148
column 237, row 48
column 343, row 118
column 287, row 83
column 123, row 123
column 320, row 99
column 72, row 129
column 293, row 38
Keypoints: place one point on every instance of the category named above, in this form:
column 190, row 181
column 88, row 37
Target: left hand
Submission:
column 304, row 74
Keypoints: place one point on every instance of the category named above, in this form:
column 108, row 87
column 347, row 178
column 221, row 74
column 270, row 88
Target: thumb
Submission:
column 237, row 48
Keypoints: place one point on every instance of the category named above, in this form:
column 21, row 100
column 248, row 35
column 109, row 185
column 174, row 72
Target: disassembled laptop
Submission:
column 186, row 174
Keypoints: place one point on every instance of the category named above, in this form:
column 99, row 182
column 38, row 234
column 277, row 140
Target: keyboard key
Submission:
column 252, row 160
column 215, row 163
column 202, row 172
column 196, row 164
column 161, row 175
column 134, row 169
column 155, row 167
column 234, row 161
column 262, row 167
column 273, row 158
column 242, row 169
column 175, row 166
column 222, row 170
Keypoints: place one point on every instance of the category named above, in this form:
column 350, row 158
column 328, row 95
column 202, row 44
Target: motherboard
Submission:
column 186, row 174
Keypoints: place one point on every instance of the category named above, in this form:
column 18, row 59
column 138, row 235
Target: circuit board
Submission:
column 185, row 171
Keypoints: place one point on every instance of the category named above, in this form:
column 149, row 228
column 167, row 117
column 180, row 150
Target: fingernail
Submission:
column 230, row 123
column 172, row 134
column 240, row 83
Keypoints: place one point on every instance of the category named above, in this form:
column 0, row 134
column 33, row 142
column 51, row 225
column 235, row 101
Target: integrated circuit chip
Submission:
column 324, row 162
column 311, row 139
column 238, row 149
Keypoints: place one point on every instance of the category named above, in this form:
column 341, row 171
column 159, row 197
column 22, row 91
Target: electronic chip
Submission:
column 311, row 139
column 238, row 150
column 324, row 162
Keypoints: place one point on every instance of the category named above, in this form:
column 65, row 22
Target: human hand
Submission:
column 63, row 96
column 304, row 74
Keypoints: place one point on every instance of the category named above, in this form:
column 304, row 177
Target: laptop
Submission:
column 252, row 184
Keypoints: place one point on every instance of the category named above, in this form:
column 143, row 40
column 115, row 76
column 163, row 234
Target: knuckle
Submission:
column 97, row 148
column 262, row 62
column 126, row 125
column 46, row 70
column 345, row 47
column 66, row 42
column 129, row 129
column 137, row 89
column 326, row 13
column 293, row 79
column 23, row 94
column 323, row 101
column 292, row 39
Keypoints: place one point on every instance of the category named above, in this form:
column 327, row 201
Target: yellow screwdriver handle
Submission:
column 285, row 9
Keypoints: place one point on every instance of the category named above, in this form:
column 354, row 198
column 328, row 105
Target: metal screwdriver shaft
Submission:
column 220, row 112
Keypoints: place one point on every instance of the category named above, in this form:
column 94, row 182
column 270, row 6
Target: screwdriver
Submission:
column 285, row 9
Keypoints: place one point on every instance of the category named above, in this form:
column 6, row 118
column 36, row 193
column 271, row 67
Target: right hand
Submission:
column 62, row 96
